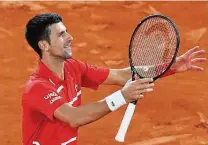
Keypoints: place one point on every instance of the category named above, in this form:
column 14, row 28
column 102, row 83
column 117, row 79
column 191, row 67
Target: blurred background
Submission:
column 170, row 115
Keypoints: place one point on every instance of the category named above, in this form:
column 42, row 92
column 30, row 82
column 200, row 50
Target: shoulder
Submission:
column 36, row 83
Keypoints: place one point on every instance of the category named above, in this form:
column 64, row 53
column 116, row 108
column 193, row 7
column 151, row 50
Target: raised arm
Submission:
column 79, row 116
column 183, row 63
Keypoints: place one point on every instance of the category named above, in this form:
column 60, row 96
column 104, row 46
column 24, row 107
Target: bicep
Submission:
column 112, row 77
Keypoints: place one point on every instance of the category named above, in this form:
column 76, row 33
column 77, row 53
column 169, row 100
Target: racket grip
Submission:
column 125, row 122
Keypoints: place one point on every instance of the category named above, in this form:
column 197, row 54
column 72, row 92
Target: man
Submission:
column 52, row 110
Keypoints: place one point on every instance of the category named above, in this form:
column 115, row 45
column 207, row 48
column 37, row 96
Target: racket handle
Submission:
column 125, row 122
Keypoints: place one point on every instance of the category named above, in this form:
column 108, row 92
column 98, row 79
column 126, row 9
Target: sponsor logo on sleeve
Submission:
column 52, row 97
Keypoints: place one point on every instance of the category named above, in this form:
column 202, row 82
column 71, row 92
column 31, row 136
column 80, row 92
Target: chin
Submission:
column 67, row 56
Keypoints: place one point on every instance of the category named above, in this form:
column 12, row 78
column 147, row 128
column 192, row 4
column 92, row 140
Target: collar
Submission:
column 44, row 71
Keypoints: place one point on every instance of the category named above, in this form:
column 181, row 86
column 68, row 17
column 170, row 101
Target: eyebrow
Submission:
column 62, row 32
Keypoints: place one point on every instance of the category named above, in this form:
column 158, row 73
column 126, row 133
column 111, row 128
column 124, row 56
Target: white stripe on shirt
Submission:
column 75, row 98
column 69, row 141
column 59, row 89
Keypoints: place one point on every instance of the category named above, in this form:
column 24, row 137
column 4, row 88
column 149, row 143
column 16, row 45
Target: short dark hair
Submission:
column 38, row 29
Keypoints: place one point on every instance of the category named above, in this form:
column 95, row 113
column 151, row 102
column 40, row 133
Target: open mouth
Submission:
column 67, row 45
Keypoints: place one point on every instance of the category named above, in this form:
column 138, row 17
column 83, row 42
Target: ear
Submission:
column 43, row 45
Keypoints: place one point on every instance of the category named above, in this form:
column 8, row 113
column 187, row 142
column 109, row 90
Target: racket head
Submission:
column 142, row 27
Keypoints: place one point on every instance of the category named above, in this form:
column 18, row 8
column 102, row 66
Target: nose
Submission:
column 69, row 37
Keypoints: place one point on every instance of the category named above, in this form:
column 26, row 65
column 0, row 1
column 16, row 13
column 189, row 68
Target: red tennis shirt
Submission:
column 45, row 92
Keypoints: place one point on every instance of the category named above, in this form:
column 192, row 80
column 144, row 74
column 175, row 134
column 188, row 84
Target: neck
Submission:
column 55, row 65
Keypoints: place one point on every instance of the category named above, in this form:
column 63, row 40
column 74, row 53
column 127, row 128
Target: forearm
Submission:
column 88, row 113
column 85, row 114
column 121, row 76
column 118, row 76
column 169, row 72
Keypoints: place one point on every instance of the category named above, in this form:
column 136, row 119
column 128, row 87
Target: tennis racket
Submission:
column 153, row 49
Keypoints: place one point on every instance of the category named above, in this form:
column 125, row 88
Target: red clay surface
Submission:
column 101, row 32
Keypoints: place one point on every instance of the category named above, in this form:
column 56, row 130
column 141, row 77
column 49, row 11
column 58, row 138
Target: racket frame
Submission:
column 133, row 70
column 131, row 107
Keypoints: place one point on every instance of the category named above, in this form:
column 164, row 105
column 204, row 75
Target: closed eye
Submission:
column 63, row 32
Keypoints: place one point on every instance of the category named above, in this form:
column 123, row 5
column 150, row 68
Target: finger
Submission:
column 145, row 86
column 189, row 52
column 144, row 80
column 141, row 96
column 145, row 90
column 198, row 60
column 199, row 52
column 197, row 68
column 202, row 117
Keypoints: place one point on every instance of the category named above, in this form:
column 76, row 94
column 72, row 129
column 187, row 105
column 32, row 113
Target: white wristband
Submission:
column 115, row 100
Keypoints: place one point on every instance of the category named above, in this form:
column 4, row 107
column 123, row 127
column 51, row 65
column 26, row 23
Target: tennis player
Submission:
column 51, row 101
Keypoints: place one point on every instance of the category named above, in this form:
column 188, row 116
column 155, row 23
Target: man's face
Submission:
column 60, row 41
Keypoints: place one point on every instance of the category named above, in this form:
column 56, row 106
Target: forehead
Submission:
column 57, row 28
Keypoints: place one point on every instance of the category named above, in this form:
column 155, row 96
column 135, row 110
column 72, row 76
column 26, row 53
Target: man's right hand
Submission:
column 133, row 90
